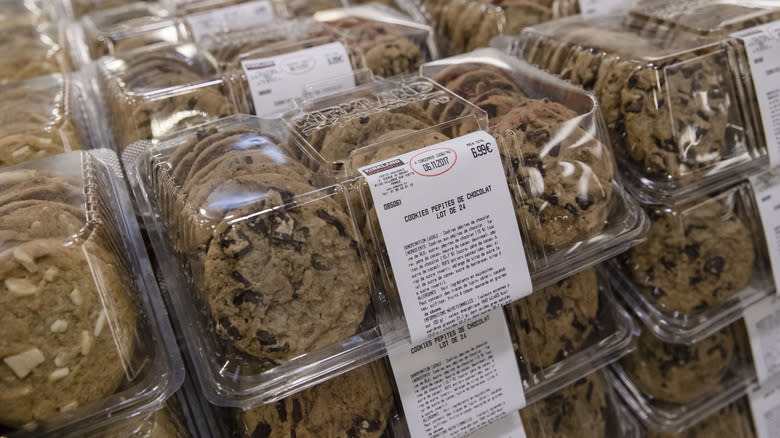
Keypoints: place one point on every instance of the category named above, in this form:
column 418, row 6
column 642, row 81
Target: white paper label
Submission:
column 451, row 232
column 460, row 381
column 763, row 324
column 241, row 16
column 511, row 426
column 762, row 44
column 767, row 197
column 765, row 405
column 600, row 7
column 276, row 81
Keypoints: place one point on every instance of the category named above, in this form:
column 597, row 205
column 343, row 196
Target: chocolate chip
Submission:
column 265, row 337
column 331, row 220
column 635, row 106
column 263, row 430
column 704, row 116
column 191, row 103
column 297, row 412
column 668, row 264
column 538, row 135
column 554, row 305
column 580, row 327
column 572, row 209
column 584, row 203
column 522, row 126
column 235, row 243
column 715, row 265
column 319, row 263
column 281, row 409
column 240, row 278
column 633, row 80
column 692, row 251
column 590, row 391
column 363, row 120
column 248, row 296
column 693, row 281
column 690, row 228
column 258, row 224
column 719, row 349
column 552, row 199
column 491, row 109
column 283, row 349
column 231, row 330
column 555, row 150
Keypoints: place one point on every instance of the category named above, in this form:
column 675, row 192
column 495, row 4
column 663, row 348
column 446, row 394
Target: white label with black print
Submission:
column 766, row 193
column 511, row 426
column 765, row 405
column 241, row 16
column 452, row 237
column 600, row 7
column 763, row 324
column 275, row 82
column 762, row 44
column 460, row 381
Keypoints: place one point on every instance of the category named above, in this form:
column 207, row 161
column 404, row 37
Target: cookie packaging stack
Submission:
column 388, row 219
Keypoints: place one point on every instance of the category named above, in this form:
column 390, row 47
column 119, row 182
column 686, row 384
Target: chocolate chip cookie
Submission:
column 681, row 268
column 29, row 52
column 553, row 323
column 575, row 411
column 564, row 174
column 678, row 373
column 356, row 404
column 732, row 421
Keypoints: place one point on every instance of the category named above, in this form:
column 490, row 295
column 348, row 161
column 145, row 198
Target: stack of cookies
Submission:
column 31, row 51
column 264, row 244
column 69, row 325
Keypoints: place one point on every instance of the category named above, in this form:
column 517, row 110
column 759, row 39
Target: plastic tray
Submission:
column 15, row 13
column 672, row 99
column 733, row 421
column 109, row 350
column 693, row 382
column 498, row 83
column 703, row 263
column 75, row 9
column 46, row 116
column 463, row 25
column 31, row 51
column 155, row 91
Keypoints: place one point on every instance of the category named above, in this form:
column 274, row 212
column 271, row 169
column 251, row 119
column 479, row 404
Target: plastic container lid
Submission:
column 16, row 13
column 672, row 386
column 155, row 91
column 683, row 283
column 669, row 97
column 85, row 333
column 733, row 421
column 31, row 51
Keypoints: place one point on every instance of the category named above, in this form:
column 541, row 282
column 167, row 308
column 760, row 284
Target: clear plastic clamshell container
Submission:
column 671, row 96
column 155, row 91
column 118, row 30
column 184, row 7
column 703, row 263
column 46, row 116
column 465, row 25
column 670, row 387
column 18, row 13
column 78, row 8
column 85, row 333
column 259, row 242
column 732, row 421
column 572, row 212
column 31, row 51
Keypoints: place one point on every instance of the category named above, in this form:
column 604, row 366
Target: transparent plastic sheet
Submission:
column 733, row 420
column 31, row 51
column 673, row 99
column 571, row 210
column 683, row 283
column 78, row 8
column 672, row 386
column 155, row 91
column 463, row 25
column 46, row 116
column 16, row 13
column 100, row 345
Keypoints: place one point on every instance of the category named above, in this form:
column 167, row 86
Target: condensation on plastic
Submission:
column 732, row 421
column 155, row 91
column 283, row 197
column 685, row 284
column 72, row 214
column 699, row 390
column 673, row 100
column 118, row 30
column 464, row 25
column 46, row 116
column 560, row 237
column 31, row 51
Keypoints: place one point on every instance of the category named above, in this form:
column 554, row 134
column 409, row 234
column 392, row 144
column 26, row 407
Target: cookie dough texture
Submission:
column 37, row 120
column 278, row 283
column 29, row 52
column 63, row 332
column 553, row 323
column 576, row 411
column 732, row 421
column 677, row 373
column 681, row 268
column 160, row 424
column 139, row 109
column 356, row 404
